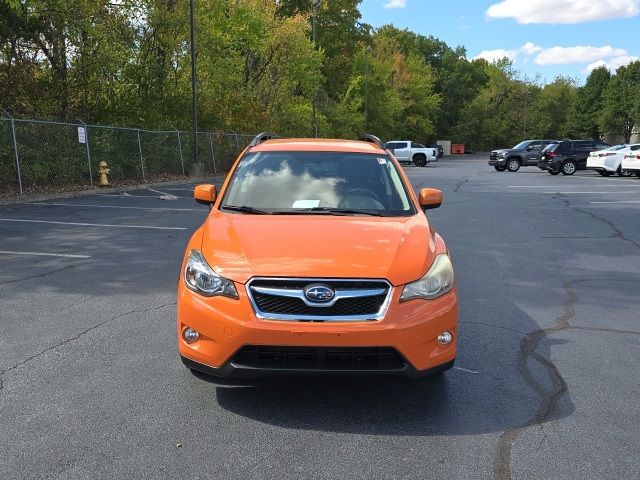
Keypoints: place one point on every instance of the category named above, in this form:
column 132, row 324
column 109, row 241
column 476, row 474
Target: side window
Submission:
column 402, row 145
column 537, row 146
column 583, row 146
column 417, row 145
column 635, row 147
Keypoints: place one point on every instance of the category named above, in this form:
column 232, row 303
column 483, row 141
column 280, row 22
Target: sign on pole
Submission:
column 82, row 135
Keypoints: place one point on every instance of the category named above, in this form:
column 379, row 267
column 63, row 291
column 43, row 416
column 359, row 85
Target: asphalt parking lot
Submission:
column 546, row 383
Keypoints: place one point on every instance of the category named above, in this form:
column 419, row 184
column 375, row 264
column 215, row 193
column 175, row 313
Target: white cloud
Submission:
column 610, row 57
column 612, row 64
column 563, row 11
column 578, row 54
column 396, row 4
column 497, row 54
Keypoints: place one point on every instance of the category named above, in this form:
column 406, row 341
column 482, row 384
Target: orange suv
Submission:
column 316, row 257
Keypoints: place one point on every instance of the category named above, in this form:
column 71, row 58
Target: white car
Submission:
column 609, row 160
column 410, row 152
column 631, row 161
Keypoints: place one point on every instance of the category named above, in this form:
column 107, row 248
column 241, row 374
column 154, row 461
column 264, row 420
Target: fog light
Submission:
column 190, row 335
column 445, row 338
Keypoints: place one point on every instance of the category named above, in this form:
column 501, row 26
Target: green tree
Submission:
column 584, row 115
column 620, row 112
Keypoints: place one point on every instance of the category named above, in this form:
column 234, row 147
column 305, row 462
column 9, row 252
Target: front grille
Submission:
column 285, row 299
column 319, row 358
column 295, row 306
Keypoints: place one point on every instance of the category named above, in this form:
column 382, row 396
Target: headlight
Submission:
column 437, row 281
column 201, row 278
column 501, row 155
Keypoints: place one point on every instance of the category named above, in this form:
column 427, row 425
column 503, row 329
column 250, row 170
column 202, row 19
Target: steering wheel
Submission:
column 360, row 198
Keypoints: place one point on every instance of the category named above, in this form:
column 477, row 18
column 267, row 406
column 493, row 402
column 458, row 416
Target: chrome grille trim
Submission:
column 298, row 293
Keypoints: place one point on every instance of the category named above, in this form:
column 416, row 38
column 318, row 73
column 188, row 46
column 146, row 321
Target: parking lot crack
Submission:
column 548, row 396
column 43, row 274
column 617, row 232
column 492, row 326
column 461, row 183
column 79, row 335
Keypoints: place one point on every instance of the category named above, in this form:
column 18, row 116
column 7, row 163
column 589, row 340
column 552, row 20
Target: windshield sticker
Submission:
column 382, row 161
column 306, row 204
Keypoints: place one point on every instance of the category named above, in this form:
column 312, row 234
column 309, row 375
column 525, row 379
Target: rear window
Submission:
column 552, row 147
column 635, row 147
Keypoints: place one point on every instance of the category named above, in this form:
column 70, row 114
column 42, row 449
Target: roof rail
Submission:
column 372, row 139
column 262, row 137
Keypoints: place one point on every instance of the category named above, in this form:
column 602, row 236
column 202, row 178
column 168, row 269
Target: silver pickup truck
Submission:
column 410, row 152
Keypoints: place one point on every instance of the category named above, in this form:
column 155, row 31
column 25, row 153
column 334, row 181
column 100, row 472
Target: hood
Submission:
column 238, row 247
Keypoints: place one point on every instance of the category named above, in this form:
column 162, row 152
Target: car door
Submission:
column 532, row 154
column 402, row 151
column 581, row 151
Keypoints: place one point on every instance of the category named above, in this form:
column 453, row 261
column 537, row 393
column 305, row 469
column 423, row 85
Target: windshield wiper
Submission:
column 245, row 209
column 337, row 211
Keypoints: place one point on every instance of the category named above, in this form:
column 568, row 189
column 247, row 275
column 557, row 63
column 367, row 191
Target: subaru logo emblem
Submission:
column 319, row 293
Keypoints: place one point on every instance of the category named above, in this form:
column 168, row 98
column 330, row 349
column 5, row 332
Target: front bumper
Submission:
column 500, row 162
column 226, row 326
column 232, row 369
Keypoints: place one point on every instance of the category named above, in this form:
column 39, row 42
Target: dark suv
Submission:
column 568, row 155
column 524, row 154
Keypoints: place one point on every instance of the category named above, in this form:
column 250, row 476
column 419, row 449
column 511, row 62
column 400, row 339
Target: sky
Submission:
column 542, row 37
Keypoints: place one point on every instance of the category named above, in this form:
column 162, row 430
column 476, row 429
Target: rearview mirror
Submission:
column 205, row 194
column 430, row 198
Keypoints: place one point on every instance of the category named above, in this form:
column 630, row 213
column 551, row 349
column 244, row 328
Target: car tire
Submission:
column 500, row 168
column 604, row 173
column 420, row 160
column 624, row 173
column 569, row 167
column 554, row 172
column 513, row 165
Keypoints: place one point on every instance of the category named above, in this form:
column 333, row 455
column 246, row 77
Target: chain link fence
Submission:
column 41, row 156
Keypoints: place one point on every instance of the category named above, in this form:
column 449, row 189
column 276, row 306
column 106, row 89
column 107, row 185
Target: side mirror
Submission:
column 205, row 194
column 430, row 198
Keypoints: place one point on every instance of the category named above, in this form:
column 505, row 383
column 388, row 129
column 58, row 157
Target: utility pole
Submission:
column 194, row 91
column 315, row 4
column 366, row 88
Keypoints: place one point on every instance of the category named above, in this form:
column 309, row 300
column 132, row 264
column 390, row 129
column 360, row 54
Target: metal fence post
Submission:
column 141, row 157
column 180, row 147
column 86, row 142
column 213, row 154
column 15, row 151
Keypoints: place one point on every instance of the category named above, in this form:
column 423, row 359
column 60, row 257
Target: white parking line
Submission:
column 90, row 224
column 627, row 184
column 572, row 193
column 40, row 254
column 621, row 201
column 83, row 205
column 124, row 195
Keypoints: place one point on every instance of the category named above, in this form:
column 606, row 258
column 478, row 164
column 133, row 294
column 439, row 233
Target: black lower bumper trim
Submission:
column 230, row 370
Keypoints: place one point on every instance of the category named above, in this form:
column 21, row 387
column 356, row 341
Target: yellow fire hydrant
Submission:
column 104, row 171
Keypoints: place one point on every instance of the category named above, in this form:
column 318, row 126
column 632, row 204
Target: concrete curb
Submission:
column 93, row 191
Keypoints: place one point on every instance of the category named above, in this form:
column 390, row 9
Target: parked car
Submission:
column 568, row 156
column 524, row 154
column 609, row 160
column 317, row 257
column 631, row 161
column 410, row 152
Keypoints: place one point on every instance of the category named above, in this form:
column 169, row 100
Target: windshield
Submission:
column 317, row 182
column 521, row 145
